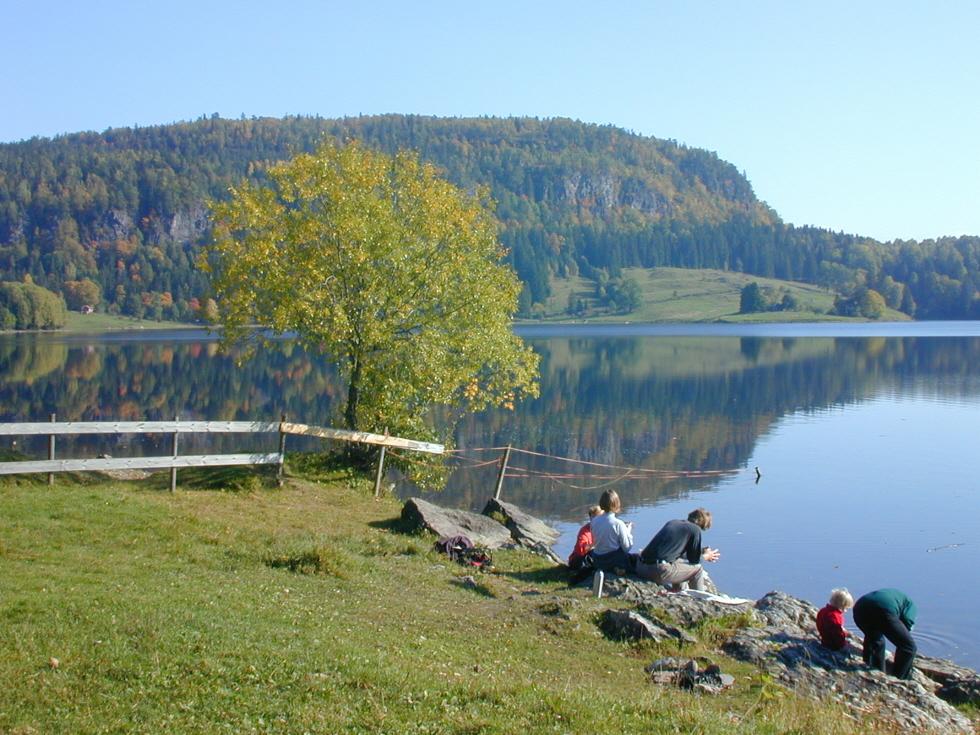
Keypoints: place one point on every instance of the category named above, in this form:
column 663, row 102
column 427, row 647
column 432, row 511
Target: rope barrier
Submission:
column 525, row 473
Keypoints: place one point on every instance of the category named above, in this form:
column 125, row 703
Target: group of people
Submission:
column 674, row 558
column 885, row 613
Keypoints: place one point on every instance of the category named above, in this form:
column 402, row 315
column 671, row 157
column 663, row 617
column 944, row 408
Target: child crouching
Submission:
column 830, row 620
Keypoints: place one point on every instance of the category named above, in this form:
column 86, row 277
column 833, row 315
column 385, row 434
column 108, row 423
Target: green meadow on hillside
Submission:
column 687, row 295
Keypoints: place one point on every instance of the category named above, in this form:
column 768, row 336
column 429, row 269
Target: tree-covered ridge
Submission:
column 125, row 209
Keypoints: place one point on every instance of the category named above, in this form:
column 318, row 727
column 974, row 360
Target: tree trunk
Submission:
column 353, row 395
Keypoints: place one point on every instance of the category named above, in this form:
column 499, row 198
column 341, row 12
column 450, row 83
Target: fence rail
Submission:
column 174, row 460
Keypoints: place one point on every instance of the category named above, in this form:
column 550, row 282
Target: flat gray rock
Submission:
column 525, row 529
column 480, row 529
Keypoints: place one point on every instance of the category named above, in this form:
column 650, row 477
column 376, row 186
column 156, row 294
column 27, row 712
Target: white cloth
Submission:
column 609, row 533
column 723, row 599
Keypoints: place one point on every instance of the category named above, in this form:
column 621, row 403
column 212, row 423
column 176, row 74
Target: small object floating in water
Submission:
column 945, row 546
column 758, row 475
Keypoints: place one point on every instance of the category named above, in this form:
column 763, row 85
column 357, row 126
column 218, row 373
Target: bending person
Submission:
column 673, row 557
column 612, row 537
column 887, row 613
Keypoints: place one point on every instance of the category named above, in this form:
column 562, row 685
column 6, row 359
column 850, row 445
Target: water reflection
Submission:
column 867, row 441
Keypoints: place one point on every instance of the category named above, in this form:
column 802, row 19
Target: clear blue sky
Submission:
column 857, row 116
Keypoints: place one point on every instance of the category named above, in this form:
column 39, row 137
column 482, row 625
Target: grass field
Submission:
column 124, row 608
column 685, row 295
column 108, row 322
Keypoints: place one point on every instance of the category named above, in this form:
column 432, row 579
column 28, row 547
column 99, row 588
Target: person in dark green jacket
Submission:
column 887, row 613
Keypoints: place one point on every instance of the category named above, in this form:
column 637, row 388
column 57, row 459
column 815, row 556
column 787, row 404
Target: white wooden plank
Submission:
column 138, row 427
column 136, row 463
column 363, row 437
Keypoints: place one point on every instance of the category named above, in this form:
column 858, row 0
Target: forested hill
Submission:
column 117, row 218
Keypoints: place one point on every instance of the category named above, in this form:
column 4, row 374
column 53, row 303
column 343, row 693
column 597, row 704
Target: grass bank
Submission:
column 124, row 608
column 78, row 322
column 688, row 295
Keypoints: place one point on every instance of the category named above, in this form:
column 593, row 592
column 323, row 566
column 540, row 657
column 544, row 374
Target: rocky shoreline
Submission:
column 781, row 638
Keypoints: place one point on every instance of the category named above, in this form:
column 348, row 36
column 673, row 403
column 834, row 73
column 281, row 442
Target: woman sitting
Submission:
column 612, row 537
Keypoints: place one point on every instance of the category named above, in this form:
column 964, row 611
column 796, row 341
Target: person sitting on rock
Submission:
column 584, row 542
column 613, row 538
column 887, row 613
column 830, row 620
column 673, row 557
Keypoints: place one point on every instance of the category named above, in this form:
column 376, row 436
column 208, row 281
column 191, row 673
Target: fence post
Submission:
column 54, row 417
column 381, row 469
column 173, row 469
column 282, row 449
column 503, row 470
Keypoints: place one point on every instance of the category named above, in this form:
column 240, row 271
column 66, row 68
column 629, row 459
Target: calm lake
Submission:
column 867, row 437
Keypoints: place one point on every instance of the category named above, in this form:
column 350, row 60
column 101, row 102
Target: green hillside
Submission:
column 684, row 295
column 118, row 218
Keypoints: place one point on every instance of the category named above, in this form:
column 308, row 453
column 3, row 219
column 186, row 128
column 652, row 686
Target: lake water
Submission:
column 867, row 437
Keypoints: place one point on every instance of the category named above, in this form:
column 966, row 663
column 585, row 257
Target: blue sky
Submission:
column 856, row 116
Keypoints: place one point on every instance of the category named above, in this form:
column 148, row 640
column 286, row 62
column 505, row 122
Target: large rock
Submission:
column 528, row 531
column 481, row 530
column 626, row 624
column 957, row 684
column 788, row 647
column 653, row 600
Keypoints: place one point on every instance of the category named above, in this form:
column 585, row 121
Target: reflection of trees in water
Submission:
column 691, row 403
column 156, row 381
column 686, row 404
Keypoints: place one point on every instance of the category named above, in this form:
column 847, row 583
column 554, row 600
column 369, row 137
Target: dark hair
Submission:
column 700, row 517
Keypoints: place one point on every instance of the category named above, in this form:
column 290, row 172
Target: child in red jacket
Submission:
column 830, row 620
column 583, row 543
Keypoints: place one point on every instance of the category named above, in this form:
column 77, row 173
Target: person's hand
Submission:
column 710, row 554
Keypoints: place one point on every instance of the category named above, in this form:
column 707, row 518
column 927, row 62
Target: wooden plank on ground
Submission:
column 136, row 463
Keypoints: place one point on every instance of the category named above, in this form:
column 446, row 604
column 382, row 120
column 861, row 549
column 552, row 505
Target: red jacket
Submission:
column 583, row 545
column 830, row 624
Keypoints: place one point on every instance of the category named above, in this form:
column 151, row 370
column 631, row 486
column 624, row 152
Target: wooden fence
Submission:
column 174, row 460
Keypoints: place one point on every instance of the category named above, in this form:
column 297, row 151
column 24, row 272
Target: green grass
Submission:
column 78, row 322
column 309, row 609
column 686, row 295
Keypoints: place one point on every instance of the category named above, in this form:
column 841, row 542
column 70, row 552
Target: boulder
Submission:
column 480, row 529
column 634, row 626
column 788, row 647
column 957, row 684
column 653, row 600
column 528, row 531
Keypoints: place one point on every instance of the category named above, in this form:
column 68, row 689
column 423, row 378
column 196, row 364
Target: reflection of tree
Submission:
column 24, row 359
column 666, row 402
column 156, row 381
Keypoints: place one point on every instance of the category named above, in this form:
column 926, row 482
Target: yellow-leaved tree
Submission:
column 384, row 267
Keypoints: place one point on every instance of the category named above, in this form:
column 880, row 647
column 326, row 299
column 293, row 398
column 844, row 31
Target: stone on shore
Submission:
column 528, row 531
column 480, row 529
column 634, row 626
column 788, row 647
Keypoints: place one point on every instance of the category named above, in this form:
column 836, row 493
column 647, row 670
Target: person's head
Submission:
column 700, row 517
column 841, row 598
column 594, row 511
column 609, row 502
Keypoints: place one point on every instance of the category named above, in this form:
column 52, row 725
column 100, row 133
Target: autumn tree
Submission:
column 379, row 264
column 84, row 292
